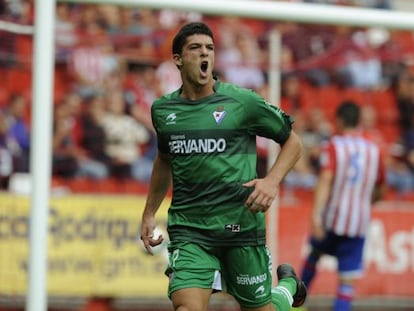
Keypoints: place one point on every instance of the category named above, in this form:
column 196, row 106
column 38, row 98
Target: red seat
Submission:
column 80, row 185
column 4, row 96
column 359, row 96
column 328, row 99
column 19, row 81
column 108, row 185
column 387, row 114
column 24, row 48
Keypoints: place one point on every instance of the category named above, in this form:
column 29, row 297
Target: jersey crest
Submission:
column 219, row 114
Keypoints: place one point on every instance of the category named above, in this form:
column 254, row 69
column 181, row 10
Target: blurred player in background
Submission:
column 352, row 177
column 206, row 133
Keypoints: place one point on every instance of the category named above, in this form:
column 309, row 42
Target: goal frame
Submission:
column 43, row 90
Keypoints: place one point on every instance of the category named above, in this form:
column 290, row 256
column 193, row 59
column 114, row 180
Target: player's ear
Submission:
column 177, row 60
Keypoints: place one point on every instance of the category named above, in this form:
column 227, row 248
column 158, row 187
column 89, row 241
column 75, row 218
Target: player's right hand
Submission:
column 147, row 235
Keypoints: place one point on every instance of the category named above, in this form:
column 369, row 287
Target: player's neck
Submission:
column 351, row 131
column 195, row 92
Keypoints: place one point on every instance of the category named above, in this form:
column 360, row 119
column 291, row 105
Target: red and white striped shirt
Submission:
column 357, row 167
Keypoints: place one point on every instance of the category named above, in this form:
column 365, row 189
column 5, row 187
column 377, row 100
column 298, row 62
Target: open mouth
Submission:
column 204, row 66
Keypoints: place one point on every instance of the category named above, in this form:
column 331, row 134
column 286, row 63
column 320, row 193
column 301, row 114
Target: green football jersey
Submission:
column 212, row 146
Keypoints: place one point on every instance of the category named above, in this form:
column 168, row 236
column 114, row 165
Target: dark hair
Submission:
column 349, row 113
column 187, row 30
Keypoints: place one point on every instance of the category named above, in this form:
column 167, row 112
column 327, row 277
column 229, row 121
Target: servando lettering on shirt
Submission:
column 246, row 279
column 180, row 145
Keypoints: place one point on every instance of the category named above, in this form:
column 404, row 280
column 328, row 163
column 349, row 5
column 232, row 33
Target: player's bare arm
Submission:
column 322, row 191
column 160, row 182
column 379, row 192
column 381, row 187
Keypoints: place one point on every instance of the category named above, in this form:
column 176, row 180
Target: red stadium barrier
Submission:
column 389, row 252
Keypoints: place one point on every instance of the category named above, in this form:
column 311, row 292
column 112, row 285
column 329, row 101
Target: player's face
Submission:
column 197, row 60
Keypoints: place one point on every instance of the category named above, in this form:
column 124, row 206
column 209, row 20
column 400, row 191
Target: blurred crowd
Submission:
column 113, row 61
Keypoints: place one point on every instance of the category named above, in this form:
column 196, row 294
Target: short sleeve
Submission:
column 267, row 120
column 327, row 159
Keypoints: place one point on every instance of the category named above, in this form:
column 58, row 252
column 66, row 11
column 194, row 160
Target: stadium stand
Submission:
column 120, row 40
column 126, row 45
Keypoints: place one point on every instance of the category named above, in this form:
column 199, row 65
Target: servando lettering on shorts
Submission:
column 246, row 279
column 201, row 145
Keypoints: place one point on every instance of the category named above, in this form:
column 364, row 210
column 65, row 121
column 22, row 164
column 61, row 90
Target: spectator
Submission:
column 313, row 128
column 292, row 97
column 125, row 137
column 8, row 47
column 404, row 94
column 94, row 161
column 110, row 15
column 19, row 130
column 240, row 59
column 172, row 19
column 92, row 60
column 140, row 21
column 169, row 76
column 376, row 4
column 8, row 148
column 64, row 151
column 142, row 91
column 306, row 45
column 399, row 177
column 364, row 63
column 287, row 62
column 86, row 14
column 22, row 11
column 303, row 174
column 143, row 88
column 78, row 139
column 369, row 125
column 3, row 8
column 65, row 30
column 403, row 177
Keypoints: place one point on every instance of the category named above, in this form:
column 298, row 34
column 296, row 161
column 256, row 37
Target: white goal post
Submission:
column 277, row 10
column 43, row 86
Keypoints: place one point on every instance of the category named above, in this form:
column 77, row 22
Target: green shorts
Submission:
column 243, row 272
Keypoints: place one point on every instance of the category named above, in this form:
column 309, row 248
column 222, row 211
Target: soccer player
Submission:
column 352, row 177
column 206, row 133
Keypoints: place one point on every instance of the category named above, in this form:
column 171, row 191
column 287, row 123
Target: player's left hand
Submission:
column 262, row 196
column 317, row 229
